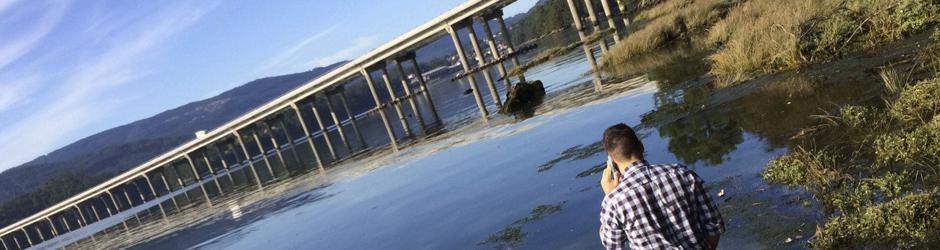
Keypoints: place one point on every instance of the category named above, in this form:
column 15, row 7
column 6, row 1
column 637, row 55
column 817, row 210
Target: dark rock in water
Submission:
column 468, row 91
column 524, row 97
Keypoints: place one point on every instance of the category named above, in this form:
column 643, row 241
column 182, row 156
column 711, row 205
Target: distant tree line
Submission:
column 52, row 192
column 542, row 19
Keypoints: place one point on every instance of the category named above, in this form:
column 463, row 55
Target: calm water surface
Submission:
column 533, row 183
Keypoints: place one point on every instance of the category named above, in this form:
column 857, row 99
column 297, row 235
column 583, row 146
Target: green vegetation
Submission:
column 875, row 168
column 54, row 191
column 549, row 17
column 751, row 38
column 512, row 235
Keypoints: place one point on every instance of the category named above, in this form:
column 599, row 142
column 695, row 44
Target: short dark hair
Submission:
column 621, row 140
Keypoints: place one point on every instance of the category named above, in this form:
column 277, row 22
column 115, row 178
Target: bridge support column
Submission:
column 494, row 50
column 130, row 205
column 381, row 109
column 39, row 232
column 205, row 158
column 264, row 154
column 303, row 125
column 339, row 125
column 595, row 25
column 277, row 147
column 17, row 242
column 610, row 20
column 484, row 115
column 424, row 87
column 28, row 239
column 481, row 60
column 169, row 191
column 504, row 30
column 623, row 15
column 3, row 243
column 396, row 102
column 55, row 232
column 197, row 179
column 351, row 118
column 587, row 48
column 410, row 96
column 179, row 181
column 155, row 196
column 323, row 129
column 290, row 141
column 251, row 163
column 228, row 171
column 81, row 216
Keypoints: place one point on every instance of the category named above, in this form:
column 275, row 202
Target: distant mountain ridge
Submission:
column 117, row 149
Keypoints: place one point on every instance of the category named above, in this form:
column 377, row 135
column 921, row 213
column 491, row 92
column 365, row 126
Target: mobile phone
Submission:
column 613, row 166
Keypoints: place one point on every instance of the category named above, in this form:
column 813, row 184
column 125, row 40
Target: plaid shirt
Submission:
column 659, row 207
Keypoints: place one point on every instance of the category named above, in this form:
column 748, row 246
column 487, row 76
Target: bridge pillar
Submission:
column 3, row 243
column 290, row 140
column 169, row 191
column 481, row 60
column 380, row 108
column 504, row 30
column 55, row 232
column 277, row 147
column 81, row 216
column 424, row 87
column 323, row 129
column 587, row 48
column 491, row 43
column 197, row 179
column 595, row 25
column 309, row 137
column 251, row 163
column 610, row 20
column 339, row 125
column 39, row 232
column 228, row 171
column 409, row 96
column 28, row 239
column 351, row 117
column 155, row 196
column 264, row 154
column 396, row 102
column 130, row 204
column 484, row 115
column 205, row 158
column 623, row 15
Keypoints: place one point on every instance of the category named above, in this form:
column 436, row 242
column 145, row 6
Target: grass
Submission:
column 766, row 36
column 664, row 24
column 876, row 168
column 751, row 38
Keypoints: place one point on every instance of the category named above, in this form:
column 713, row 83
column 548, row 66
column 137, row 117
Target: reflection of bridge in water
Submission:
column 278, row 140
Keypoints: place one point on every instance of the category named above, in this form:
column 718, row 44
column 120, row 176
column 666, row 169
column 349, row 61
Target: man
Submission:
column 653, row 206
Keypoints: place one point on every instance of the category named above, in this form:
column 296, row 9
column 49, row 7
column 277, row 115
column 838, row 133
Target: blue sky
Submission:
column 69, row 69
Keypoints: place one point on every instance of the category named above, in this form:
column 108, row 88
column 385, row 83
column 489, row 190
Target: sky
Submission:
column 70, row 69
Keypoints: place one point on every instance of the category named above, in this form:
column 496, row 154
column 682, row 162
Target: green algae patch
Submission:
column 912, row 221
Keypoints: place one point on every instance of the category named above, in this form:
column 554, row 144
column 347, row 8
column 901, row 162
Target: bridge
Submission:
column 251, row 149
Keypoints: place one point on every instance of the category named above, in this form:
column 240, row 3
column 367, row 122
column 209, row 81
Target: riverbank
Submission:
column 868, row 155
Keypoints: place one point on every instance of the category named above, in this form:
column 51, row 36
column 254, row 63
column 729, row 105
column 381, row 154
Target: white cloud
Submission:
column 359, row 46
column 15, row 47
column 17, row 93
column 81, row 98
column 283, row 58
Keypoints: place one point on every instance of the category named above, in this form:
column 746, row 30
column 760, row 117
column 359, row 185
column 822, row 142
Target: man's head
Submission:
column 622, row 143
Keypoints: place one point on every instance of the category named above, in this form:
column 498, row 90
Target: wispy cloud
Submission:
column 81, row 98
column 358, row 46
column 15, row 47
column 286, row 56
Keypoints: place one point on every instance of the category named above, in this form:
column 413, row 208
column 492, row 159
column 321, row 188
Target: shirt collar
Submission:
column 633, row 167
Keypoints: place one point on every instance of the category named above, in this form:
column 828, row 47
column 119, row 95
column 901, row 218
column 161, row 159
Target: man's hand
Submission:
column 608, row 184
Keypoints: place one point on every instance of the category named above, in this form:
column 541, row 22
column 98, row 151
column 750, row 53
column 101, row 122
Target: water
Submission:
column 533, row 183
